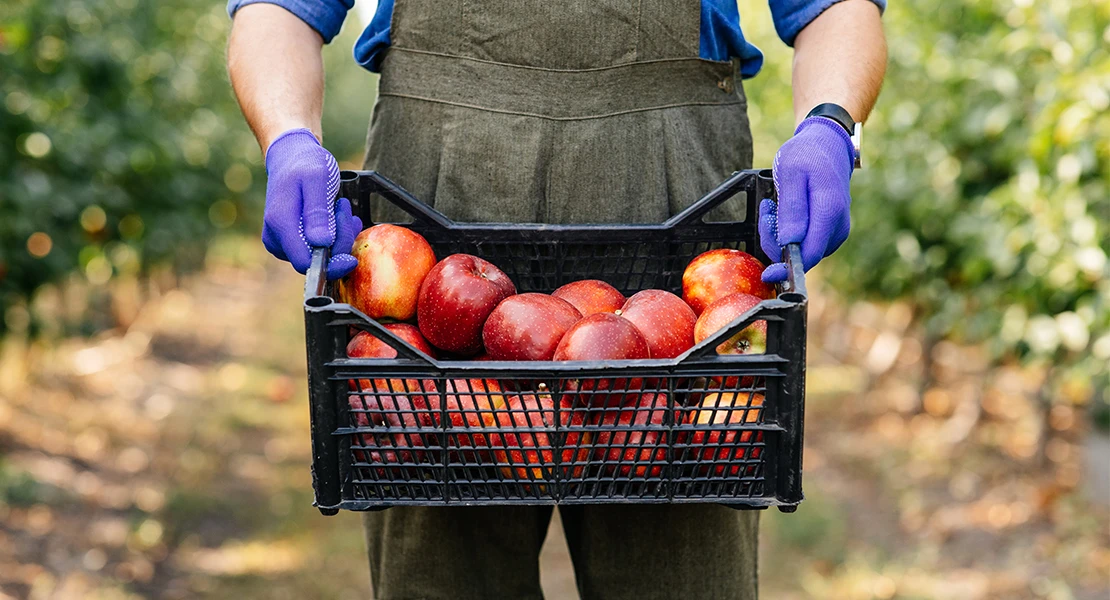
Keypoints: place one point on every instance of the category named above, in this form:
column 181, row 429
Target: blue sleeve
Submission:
column 372, row 44
column 792, row 16
column 325, row 16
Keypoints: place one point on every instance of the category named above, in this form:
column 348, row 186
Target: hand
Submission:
column 812, row 172
column 301, row 211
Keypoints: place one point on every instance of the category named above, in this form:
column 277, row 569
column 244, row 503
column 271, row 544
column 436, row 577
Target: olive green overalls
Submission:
column 560, row 111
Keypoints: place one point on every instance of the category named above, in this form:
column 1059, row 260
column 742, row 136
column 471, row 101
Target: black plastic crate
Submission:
column 396, row 432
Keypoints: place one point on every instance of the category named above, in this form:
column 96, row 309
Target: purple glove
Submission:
column 301, row 211
column 812, row 171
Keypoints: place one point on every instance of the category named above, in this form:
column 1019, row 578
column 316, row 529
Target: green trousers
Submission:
column 641, row 552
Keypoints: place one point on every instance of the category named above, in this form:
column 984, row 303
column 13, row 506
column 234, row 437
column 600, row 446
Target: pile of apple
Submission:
column 466, row 308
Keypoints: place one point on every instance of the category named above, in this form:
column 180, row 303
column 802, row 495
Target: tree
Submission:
column 985, row 203
column 120, row 143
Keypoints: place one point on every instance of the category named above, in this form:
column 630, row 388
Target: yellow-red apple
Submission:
column 524, row 443
column 718, row 273
column 392, row 264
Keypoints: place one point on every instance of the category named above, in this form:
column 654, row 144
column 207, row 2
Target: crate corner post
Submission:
column 322, row 345
column 790, row 411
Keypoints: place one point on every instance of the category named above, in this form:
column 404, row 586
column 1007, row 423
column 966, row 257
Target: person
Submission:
column 558, row 111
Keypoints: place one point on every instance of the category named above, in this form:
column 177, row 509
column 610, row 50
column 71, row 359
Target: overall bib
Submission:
column 570, row 111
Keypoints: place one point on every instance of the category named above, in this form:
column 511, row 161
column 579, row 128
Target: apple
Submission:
column 392, row 263
column 718, row 273
column 400, row 404
column 365, row 345
column 633, row 446
column 471, row 406
column 379, row 393
column 400, row 443
column 528, row 327
column 598, row 337
column 524, row 443
column 591, row 296
column 456, row 297
column 725, row 447
column 666, row 322
column 750, row 340
column 602, row 336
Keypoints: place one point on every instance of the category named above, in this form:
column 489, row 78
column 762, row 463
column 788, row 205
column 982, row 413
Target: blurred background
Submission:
column 153, row 422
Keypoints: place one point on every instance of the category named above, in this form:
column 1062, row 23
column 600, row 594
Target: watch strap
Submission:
column 837, row 113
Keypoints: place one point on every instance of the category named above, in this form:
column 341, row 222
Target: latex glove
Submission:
column 812, row 171
column 301, row 211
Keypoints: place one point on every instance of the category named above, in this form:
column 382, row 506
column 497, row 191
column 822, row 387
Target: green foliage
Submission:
column 18, row 488
column 988, row 196
column 985, row 203
column 120, row 142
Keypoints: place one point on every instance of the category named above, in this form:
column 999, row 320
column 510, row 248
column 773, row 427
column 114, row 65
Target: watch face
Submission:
column 857, row 138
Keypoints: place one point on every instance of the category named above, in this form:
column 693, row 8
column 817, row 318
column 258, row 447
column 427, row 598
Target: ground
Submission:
column 168, row 459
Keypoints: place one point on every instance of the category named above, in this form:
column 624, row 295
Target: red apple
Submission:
column 591, row 296
column 718, row 273
column 634, row 446
column 602, row 336
column 666, row 322
column 598, row 337
column 365, row 345
column 528, row 327
column 456, row 297
column 726, row 447
column 379, row 393
column 471, row 406
column 392, row 263
column 400, row 404
column 530, row 455
column 401, row 443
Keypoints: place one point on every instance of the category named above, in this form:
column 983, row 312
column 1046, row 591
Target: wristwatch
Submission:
column 841, row 116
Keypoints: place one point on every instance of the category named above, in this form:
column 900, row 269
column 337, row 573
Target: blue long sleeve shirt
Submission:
column 721, row 37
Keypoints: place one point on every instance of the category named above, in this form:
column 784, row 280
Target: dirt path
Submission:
column 170, row 461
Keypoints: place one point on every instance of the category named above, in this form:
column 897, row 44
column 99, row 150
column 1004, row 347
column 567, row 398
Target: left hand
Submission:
column 812, row 171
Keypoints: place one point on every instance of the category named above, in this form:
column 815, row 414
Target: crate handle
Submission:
column 355, row 185
column 756, row 185
column 316, row 279
column 794, row 288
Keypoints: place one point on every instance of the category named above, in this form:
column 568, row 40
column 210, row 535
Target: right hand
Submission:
column 301, row 211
